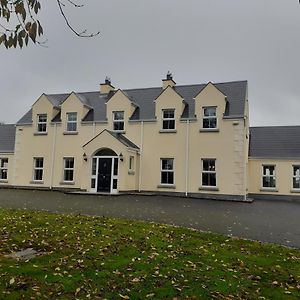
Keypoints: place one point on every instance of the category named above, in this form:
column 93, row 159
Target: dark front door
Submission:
column 104, row 175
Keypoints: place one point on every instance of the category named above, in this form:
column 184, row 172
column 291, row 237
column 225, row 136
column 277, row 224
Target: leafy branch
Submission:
column 19, row 22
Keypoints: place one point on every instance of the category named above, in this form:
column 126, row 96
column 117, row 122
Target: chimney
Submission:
column 168, row 81
column 106, row 87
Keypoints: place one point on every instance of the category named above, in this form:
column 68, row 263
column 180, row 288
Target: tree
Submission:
column 19, row 24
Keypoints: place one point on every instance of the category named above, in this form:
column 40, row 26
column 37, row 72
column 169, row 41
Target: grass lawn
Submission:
column 100, row 258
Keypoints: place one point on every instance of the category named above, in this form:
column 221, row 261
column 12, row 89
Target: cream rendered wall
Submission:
column 228, row 146
column 284, row 176
column 10, row 168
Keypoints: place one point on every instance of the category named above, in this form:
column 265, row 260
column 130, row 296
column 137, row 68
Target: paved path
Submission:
column 270, row 221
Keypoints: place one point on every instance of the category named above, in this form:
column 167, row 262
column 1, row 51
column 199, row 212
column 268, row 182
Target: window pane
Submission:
column 68, row 175
column 42, row 127
column 131, row 162
column 38, row 174
column 115, row 184
column 94, row 166
column 72, row 117
column 210, row 112
column 168, row 113
column 72, row 127
column 212, row 179
column 209, row 165
column 39, row 162
column 213, row 123
column 119, row 126
column 93, row 183
column 205, row 179
column 167, row 164
column 69, row 163
column 296, row 182
column 297, row 171
column 4, row 162
column 3, row 174
column 42, row 118
column 119, row 115
column 206, row 123
column 269, row 170
column 116, row 162
column 167, row 177
column 269, row 182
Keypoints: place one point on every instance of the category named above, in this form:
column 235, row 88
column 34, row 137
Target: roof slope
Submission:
column 7, row 138
column 235, row 91
column 123, row 139
column 275, row 142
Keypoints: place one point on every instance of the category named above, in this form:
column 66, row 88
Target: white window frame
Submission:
column 35, row 168
column 71, row 122
column 3, row 168
column 68, row 169
column 168, row 119
column 208, row 171
column 295, row 177
column 209, row 118
column 119, row 121
column 42, row 123
column 167, row 171
column 274, row 176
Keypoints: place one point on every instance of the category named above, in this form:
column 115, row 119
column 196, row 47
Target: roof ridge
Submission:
column 153, row 87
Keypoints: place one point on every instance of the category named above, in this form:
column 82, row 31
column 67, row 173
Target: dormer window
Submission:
column 118, row 120
column 168, row 119
column 72, row 122
column 209, row 117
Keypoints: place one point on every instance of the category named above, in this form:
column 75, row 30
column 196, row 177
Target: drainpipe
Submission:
column 53, row 155
column 94, row 128
column 187, row 158
column 141, row 154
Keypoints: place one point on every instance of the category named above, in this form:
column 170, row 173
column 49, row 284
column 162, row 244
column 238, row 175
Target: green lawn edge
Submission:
column 107, row 258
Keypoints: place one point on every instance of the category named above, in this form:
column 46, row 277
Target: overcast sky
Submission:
column 197, row 40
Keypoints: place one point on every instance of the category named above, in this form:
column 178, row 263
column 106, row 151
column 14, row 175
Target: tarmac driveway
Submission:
column 268, row 221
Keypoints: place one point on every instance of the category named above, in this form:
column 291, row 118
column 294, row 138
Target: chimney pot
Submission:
column 106, row 87
column 168, row 81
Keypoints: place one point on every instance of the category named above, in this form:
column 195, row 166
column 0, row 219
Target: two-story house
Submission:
column 190, row 140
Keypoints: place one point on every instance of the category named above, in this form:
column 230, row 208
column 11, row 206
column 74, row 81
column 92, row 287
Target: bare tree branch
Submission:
column 80, row 34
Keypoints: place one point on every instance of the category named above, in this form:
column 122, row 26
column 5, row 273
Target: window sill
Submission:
column 3, row 181
column 131, row 172
column 40, row 133
column 265, row 189
column 168, row 131
column 67, row 183
column 70, row 133
column 208, row 188
column 292, row 190
column 209, row 130
column 166, row 186
column 36, row 182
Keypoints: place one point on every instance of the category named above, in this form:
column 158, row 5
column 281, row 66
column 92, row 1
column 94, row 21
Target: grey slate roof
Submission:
column 7, row 138
column 143, row 98
column 124, row 140
column 275, row 142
